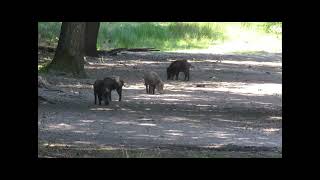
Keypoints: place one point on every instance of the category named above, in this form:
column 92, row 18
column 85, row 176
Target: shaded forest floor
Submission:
column 238, row 112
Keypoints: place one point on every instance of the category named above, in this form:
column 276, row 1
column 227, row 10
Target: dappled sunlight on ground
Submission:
column 254, row 63
column 61, row 126
column 271, row 130
column 234, row 103
column 254, row 89
column 275, row 118
column 101, row 109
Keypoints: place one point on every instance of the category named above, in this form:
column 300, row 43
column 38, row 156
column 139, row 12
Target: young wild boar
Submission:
column 102, row 92
column 152, row 81
column 114, row 83
column 176, row 67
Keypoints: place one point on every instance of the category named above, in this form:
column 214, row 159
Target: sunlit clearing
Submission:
column 82, row 86
column 241, row 40
column 263, row 103
column 135, row 86
column 275, row 118
column 213, row 146
column 243, row 138
column 124, row 109
column 224, row 120
column 101, row 109
column 175, row 134
column 175, row 95
column 175, row 118
column 174, row 130
column 269, row 130
column 242, row 88
column 55, row 145
column 203, row 105
column 245, row 128
column 254, row 63
column 87, row 120
column 125, row 122
column 147, row 135
column 96, row 67
column 147, row 124
column 218, row 134
column 165, row 99
column 145, row 98
column 108, row 148
column 82, row 142
column 261, row 138
column 61, row 126
column 133, row 63
column 130, row 131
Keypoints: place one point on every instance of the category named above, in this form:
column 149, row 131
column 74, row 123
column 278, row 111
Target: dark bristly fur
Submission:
column 179, row 66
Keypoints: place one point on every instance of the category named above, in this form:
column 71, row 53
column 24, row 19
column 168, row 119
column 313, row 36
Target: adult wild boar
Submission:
column 152, row 81
column 114, row 83
column 102, row 92
column 179, row 66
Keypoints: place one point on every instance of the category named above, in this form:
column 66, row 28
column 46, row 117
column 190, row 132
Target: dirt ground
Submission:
column 238, row 112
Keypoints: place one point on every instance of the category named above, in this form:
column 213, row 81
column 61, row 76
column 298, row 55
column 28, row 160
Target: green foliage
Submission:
column 266, row 27
column 43, row 68
column 165, row 35
column 48, row 32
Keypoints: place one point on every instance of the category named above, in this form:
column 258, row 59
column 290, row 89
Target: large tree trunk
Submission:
column 70, row 51
column 91, row 36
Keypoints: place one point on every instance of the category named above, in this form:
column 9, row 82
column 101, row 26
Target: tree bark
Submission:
column 70, row 51
column 91, row 36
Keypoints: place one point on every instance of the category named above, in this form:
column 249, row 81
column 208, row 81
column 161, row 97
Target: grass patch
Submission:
column 255, row 53
column 170, row 36
column 43, row 67
column 163, row 36
column 274, row 28
column 48, row 33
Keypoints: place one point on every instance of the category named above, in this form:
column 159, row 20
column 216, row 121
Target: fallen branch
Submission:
column 46, row 48
column 114, row 52
column 42, row 99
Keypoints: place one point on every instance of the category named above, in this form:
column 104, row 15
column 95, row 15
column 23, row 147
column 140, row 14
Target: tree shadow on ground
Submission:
column 209, row 114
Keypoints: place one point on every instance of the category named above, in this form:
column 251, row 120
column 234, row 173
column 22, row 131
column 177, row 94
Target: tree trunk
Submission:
column 70, row 51
column 91, row 36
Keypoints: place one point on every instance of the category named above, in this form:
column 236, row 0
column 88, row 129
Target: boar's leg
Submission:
column 119, row 91
column 95, row 98
column 177, row 75
column 186, row 75
column 109, row 96
column 153, row 89
column 99, row 98
column 106, row 101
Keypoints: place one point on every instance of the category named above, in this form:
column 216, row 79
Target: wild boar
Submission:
column 179, row 66
column 102, row 92
column 114, row 83
column 152, row 81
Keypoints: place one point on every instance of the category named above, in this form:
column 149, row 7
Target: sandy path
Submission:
column 241, row 104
